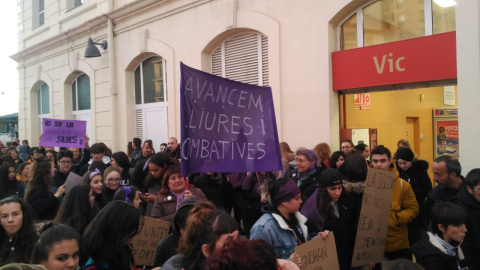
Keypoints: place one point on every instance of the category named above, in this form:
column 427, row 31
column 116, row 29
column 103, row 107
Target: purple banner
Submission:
column 63, row 133
column 226, row 126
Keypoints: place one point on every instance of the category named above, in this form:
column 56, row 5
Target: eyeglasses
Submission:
column 112, row 180
column 64, row 162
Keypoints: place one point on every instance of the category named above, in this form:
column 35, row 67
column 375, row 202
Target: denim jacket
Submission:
column 272, row 228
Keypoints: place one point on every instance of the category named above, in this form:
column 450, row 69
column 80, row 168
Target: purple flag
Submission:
column 63, row 133
column 226, row 126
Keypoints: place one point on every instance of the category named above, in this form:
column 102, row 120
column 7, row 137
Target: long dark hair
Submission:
column 122, row 159
column 76, row 210
column 39, row 175
column 50, row 236
column 105, row 238
column 143, row 177
column 5, row 183
column 26, row 236
column 334, row 158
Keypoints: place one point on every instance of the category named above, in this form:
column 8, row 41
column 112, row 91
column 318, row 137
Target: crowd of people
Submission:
column 221, row 220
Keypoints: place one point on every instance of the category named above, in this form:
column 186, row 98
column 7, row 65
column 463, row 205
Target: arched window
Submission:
column 387, row 21
column 242, row 58
column 151, row 120
column 81, row 100
column 43, row 99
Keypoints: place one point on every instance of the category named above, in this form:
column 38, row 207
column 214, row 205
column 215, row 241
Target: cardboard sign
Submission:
column 226, row 126
column 373, row 222
column 146, row 241
column 63, row 133
column 73, row 179
column 318, row 254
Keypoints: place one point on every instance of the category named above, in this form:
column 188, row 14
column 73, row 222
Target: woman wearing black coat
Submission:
column 415, row 173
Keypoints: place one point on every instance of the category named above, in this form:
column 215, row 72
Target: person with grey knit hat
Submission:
column 414, row 172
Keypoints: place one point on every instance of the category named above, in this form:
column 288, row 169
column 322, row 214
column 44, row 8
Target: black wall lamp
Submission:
column 92, row 50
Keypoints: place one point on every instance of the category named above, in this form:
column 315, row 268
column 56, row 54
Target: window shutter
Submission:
column 35, row 14
column 139, row 123
column 242, row 58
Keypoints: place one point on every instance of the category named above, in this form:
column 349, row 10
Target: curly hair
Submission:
column 323, row 152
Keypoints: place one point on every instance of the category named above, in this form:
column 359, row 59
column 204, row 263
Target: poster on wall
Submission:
column 445, row 125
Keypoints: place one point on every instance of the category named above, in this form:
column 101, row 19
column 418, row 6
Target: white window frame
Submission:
column 84, row 115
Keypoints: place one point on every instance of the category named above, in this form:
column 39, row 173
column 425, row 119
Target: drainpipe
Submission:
column 113, row 79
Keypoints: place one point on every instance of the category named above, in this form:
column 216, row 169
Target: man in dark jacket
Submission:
column 446, row 172
column 469, row 196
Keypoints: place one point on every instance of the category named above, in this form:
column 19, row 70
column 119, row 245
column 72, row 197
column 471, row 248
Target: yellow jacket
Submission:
column 403, row 210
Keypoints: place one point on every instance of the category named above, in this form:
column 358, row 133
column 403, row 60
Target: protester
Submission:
column 39, row 193
column 107, row 239
column 95, row 180
column 287, row 156
column 307, row 174
column 362, row 149
column 57, row 248
column 206, row 230
column 216, row 189
column 168, row 246
column 281, row 225
column 243, row 254
column 149, row 177
column 14, row 154
column 112, row 180
column 440, row 248
column 120, row 160
column 347, row 146
column 322, row 150
column 469, row 196
column 415, row 173
column 77, row 209
column 17, row 233
column 403, row 210
column 145, row 152
column 9, row 185
column 331, row 208
column 136, row 149
column 22, row 172
column 174, row 147
column 355, row 171
column 337, row 159
column 253, row 203
column 129, row 194
column 174, row 190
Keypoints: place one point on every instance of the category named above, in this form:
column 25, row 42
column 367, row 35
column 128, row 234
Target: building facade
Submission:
column 132, row 89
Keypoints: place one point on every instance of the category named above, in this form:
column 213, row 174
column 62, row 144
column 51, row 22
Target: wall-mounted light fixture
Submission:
column 92, row 50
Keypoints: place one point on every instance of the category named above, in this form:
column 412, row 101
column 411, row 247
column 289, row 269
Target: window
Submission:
column 81, row 93
column 43, row 101
column 151, row 119
column 242, row 58
column 71, row 4
column 38, row 16
column 381, row 22
column 81, row 100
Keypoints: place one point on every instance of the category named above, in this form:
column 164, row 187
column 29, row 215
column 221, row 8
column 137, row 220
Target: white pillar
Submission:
column 468, row 74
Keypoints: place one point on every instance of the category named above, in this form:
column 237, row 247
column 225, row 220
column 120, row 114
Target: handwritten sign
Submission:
column 226, row 126
column 373, row 222
column 72, row 180
column 63, row 133
column 318, row 254
column 146, row 241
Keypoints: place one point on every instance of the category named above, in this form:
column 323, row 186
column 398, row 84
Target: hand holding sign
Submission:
column 63, row 133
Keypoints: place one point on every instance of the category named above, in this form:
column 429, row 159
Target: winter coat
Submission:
column 441, row 193
column 272, row 228
column 417, row 177
column 216, row 189
column 430, row 254
column 309, row 185
column 342, row 226
column 404, row 208
column 43, row 202
column 471, row 243
column 251, row 189
column 165, row 205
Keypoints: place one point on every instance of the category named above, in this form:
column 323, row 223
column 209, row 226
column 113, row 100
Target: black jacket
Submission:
column 432, row 258
column 309, row 185
column 43, row 202
column 443, row 194
column 471, row 243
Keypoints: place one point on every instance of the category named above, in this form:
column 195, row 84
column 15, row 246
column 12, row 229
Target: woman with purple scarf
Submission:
column 306, row 174
column 174, row 190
